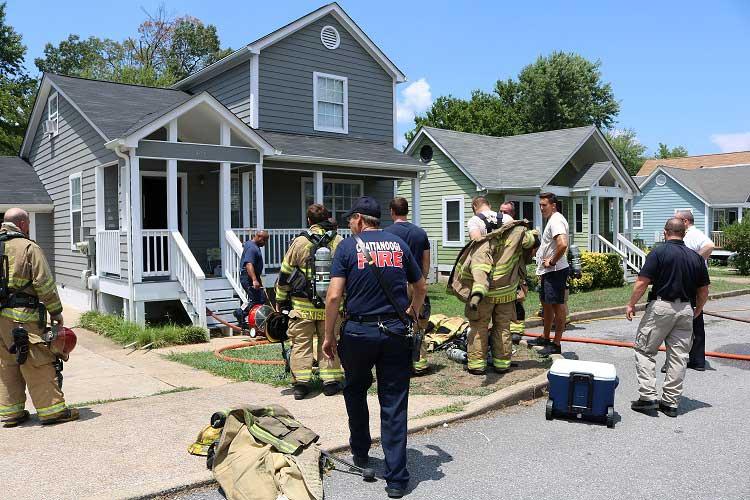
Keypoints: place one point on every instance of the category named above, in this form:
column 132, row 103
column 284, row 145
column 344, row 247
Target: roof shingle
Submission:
column 21, row 185
column 716, row 185
column 693, row 162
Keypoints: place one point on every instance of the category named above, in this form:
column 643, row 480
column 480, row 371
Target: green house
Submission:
column 594, row 190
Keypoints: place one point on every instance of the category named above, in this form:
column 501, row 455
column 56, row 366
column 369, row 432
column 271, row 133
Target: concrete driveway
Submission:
column 701, row 454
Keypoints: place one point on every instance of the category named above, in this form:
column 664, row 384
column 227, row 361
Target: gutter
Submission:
column 131, row 288
column 317, row 160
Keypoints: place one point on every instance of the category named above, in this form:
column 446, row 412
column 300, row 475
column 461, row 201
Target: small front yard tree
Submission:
column 737, row 239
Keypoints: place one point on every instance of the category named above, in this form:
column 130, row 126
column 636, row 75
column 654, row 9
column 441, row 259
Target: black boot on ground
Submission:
column 538, row 342
column 68, row 415
column 331, row 389
column 15, row 422
column 643, row 406
column 300, row 391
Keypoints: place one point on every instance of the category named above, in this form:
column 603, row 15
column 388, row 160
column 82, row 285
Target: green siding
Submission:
column 443, row 179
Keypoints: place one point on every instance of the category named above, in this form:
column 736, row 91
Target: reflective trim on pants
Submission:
column 12, row 411
column 51, row 411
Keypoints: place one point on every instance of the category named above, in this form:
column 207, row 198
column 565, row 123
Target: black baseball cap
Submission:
column 366, row 205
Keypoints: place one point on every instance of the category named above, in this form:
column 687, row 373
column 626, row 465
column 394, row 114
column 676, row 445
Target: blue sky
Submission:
column 680, row 69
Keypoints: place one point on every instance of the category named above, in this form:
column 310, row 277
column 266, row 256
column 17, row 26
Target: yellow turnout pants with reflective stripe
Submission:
column 304, row 333
column 37, row 373
column 421, row 365
column 500, row 315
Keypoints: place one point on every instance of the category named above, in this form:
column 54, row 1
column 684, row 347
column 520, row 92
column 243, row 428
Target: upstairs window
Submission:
column 331, row 108
column 53, row 114
column 453, row 224
column 74, row 186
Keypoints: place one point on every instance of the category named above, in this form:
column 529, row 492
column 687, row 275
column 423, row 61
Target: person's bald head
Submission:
column 261, row 237
column 18, row 217
column 674, row 229
column 686, row 216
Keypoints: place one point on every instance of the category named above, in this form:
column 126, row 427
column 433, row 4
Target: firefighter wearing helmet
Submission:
column 301, row 290
column 30, row 354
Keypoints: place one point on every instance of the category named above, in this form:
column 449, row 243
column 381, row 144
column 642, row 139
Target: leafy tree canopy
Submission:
column 664, row 152
column 630, row 151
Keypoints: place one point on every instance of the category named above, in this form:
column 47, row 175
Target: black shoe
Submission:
column 538, row 342
column 300, row 391
column 515, row 338
column 475, row 371
column 643, row 406
column 68, row 415
column 331, row 389
column 500, row 370
column 361, row 462
column 669, row 411
column 395, row 492
column 240, row 316
column 549, row 350
column 16, row 421
column 420, row 373
column 664, row 368
column 698, row 368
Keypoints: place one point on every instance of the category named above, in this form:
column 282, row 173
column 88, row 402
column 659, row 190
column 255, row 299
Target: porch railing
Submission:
column 634, row 255
column 156, row 253
column 718, row 238
column 278, row 242
column 190, row 275
column 108, row 252
column 600, row 244
column 232, row 265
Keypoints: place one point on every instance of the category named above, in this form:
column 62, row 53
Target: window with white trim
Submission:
column 331, row 106
column 74, row 188
column 53, row 113
column 637, row 219
column 338, row 197
column 453, row 223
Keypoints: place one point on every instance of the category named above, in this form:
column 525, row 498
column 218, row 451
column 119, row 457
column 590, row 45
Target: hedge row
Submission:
column 598, row 270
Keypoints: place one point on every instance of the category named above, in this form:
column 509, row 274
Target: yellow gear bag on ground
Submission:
column 265, row 454
column 442, row 328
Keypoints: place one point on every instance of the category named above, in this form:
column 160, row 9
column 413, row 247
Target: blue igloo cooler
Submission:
column 582, row 389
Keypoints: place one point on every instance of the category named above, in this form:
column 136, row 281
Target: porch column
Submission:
column 706, row 226
column 739, row 213
column 415, row 208
column 246, row 220
column 539, row 223
column 136, row 222
column 595, row 230
column 172, row 215
column 225, row 197
column 617, row 219
column 260, row 219
column 318, row 188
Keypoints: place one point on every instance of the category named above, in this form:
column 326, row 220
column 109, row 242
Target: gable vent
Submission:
column 330, row 37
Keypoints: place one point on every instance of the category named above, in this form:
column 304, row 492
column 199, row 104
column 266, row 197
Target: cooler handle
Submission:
column 575, row 379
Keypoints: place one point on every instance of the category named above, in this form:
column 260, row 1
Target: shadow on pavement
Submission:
column 87, row 414
column 688, row 404
column 422, row 467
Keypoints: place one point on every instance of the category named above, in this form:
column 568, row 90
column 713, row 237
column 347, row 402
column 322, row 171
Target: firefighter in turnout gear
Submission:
column 27, row 288
column 487, row 277
column 301, row 289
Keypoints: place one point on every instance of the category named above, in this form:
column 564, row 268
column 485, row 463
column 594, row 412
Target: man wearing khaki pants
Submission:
column 679, row 289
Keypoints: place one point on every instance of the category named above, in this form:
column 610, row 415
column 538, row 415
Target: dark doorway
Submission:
column 154, row 207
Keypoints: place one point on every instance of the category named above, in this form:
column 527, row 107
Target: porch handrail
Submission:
column 603, row 245
column 718, row 238
column 232, row 265
column 635, row 255
column 108, row 251
column 190, row 275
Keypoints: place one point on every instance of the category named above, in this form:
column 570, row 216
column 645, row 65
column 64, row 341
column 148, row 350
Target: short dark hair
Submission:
column 400, row 206
column 478, row 201
column 675, row 227
column 317, row 213
column 550, row 197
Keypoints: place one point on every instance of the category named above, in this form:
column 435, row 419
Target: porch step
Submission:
column 222, row 300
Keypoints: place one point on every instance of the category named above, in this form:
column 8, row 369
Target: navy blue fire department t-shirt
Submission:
column 252, row 254
column 413, row 235
column 364, row 296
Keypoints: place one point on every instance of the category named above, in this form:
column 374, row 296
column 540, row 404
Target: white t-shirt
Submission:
column 556, row 225
column 695, row 239
column 475, row 223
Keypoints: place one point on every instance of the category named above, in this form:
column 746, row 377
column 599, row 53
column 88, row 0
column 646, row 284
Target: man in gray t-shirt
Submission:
column 552, row 269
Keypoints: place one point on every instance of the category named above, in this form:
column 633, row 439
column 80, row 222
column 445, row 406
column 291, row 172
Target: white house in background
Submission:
column 168, row 182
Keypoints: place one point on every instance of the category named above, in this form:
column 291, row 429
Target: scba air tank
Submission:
column 323, row 261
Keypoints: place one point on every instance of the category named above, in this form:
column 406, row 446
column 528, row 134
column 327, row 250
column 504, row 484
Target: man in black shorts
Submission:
column 552, row 269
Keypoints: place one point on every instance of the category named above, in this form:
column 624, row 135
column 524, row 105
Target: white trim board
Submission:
column 183, row 178
column 443, row 222
column 659, row 169
column 311, row 180
column 345, row 103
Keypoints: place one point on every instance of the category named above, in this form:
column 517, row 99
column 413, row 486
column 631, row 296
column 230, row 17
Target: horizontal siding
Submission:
column 231, row 88
column 285, row 84
column 45, row 236
column 381, row 190
column 76, row 148
column 443, row 179
column 203, row 207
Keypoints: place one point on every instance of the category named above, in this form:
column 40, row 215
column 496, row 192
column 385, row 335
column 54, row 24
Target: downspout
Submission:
column 131, row 288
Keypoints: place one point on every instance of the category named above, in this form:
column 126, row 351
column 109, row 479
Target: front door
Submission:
column 154, row 202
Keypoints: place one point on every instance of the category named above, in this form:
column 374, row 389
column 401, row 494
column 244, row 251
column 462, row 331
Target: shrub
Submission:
column 604, row 268
column 124, row 332
column 531, row 278
column 737, row 239
column 585, row 282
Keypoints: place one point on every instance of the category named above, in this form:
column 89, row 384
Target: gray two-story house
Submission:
column 168, row 183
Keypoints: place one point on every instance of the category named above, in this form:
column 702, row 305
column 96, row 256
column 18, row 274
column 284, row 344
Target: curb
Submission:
column 620, row 310
column 510, row 396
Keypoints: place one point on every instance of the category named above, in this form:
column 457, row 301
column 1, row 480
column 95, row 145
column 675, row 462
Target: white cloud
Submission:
column 415, row 98
column 729, row 143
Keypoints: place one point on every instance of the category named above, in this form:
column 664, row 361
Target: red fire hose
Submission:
column 243, row 345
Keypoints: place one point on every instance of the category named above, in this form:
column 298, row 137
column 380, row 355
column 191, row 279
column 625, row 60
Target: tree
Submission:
column 628, row 149
column 664, row 152
column 16, row 88
column 559, row 91
column 737, row 239
column 165, row 49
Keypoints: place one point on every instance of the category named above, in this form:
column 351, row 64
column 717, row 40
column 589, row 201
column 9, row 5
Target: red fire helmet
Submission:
column 65, row 341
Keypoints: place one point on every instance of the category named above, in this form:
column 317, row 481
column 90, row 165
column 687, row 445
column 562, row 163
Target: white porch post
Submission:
column 318, row 188
column 617, row 219
column 172, row 216
column 537, row 214
column 706, row 221
column 225, row 197
column 415, row 208
column 246, row 222
column 260, row 220
column 739, row 213
column 595, row 230
column 136, row 222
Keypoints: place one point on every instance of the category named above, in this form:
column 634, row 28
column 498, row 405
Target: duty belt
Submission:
column 373, row 318
column 21, row 300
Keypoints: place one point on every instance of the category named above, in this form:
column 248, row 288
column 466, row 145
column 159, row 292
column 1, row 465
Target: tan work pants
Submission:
column 670, row 322
column 303, row 334
column 501, row 316
column 37, row 373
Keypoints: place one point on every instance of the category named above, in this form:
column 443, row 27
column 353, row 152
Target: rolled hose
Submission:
column 219, row 353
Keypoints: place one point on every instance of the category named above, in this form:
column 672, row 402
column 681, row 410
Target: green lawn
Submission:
column 721, row 271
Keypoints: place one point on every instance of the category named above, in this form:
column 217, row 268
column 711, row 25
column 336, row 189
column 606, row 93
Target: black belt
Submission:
column 22, row 300
column 372, row 318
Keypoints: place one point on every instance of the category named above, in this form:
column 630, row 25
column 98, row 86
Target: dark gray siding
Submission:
column 285, row 81
column 111, row 197
column 283, row 198
column 231, row 88
column 76, row 148
column 381, row 190
column 45, row 236
column 203, row 207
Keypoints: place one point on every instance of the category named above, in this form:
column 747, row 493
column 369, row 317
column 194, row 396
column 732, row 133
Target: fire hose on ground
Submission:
column 219, row 353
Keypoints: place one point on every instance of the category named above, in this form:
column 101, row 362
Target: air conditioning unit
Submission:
column 50, row 127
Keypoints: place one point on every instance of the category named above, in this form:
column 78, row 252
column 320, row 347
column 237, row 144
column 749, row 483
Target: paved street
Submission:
column 702, row 454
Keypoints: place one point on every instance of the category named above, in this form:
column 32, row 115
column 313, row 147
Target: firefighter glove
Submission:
column 20, row 346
